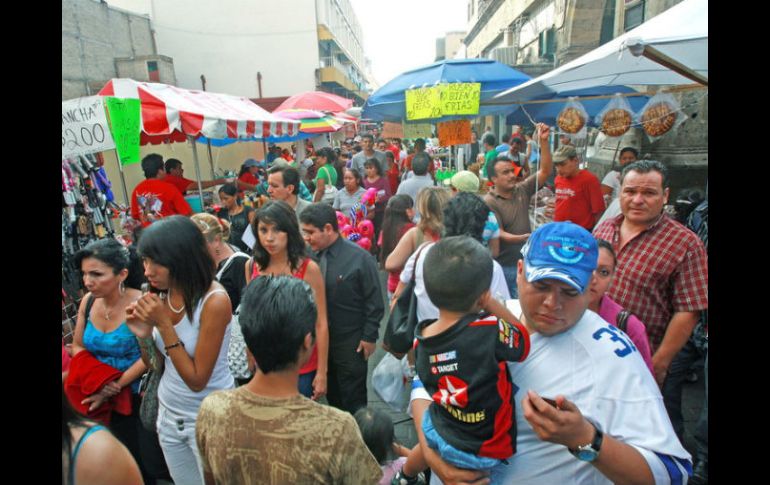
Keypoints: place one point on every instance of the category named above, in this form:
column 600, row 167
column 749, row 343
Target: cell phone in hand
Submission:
column 550, row 401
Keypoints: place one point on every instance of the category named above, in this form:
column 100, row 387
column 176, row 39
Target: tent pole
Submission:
column 211, row 159
column 197, row 168
column 122, row 178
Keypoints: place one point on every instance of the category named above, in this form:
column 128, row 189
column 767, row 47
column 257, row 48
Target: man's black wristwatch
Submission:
column 590, row 451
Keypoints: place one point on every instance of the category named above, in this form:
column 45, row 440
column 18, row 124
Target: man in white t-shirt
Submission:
column 591, row 412
column 611, row 184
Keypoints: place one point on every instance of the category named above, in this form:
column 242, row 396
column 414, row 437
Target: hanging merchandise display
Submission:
column 572, row 119
column 616, row 118
column 660, row 115
column 86, row 215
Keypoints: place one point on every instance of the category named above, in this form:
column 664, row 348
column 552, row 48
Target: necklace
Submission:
column 107, row 312
column 168, row 301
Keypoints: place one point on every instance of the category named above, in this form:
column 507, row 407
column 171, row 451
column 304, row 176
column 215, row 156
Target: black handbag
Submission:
column 148, row 389
column 399, row 333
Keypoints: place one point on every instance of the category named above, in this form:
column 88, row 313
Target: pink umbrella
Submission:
column 316, row 100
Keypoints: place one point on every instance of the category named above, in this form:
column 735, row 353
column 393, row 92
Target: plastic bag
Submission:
column 616, row 118
column 572, row 119
column 389, row 380
column 660, row 115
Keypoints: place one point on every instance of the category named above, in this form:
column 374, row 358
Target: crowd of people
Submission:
column 551, row 354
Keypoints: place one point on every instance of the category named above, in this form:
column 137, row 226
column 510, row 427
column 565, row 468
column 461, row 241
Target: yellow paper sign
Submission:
column 460, row 99
column 423, row 103
column 417, row 130
column 456, row 132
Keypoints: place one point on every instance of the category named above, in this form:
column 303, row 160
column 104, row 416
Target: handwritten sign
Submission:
column 460, row 99
column 84, row 127
column 455, row 132
column 392, row 130
column 124, row 124
column 417, row 130
column 423, row 103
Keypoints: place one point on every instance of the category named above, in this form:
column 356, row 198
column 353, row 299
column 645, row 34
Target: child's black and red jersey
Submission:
column 464, row 370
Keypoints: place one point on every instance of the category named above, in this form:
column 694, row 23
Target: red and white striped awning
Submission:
column 169, row 111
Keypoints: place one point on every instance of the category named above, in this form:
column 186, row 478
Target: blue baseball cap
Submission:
column 562, row 251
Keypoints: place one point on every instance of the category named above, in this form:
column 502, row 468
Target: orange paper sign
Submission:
column 455, row 132
column 392, row 130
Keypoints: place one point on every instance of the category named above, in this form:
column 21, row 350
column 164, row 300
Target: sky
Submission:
column 400, row 35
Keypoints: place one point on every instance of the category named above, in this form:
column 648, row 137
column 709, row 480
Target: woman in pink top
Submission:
column 609, row 309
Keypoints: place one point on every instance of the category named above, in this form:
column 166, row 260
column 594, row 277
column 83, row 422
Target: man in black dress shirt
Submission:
column 354, row 305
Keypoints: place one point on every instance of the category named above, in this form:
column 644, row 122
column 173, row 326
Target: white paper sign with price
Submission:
column 84, row 127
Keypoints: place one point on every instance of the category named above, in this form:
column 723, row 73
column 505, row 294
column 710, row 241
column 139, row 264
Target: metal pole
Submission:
column 259, row 87
column 208, row 142
column 122, row 178
column 197, row 168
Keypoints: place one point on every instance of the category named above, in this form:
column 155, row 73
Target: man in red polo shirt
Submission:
column 578, row 192
column 175, row 177
column 662, row 270
column 154, row 198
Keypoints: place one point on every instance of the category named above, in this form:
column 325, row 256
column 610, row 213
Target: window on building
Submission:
column 547, row 44
column 608, row 22
column 634, row 14
column 153, row 74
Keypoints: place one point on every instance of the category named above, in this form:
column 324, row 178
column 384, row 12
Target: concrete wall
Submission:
column 93, row 35
column 230, row 45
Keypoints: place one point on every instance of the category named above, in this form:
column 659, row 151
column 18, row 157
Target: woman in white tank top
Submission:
column 185, row 318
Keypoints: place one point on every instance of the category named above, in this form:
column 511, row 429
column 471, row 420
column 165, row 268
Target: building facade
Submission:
column 448, row 46
column 100, row 42
column 294, row 45
column 537, row 36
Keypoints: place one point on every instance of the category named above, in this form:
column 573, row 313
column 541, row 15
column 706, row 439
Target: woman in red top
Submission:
column 398, row 220
column 374, row 179
column 280, row 250
column 393, row 172
column 248, row 174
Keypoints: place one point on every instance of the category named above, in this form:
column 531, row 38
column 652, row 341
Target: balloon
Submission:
column 365, row 242
column 366, row 228
column 341, row 219
column 354, row 237
column 369, row 196
column 346, row 230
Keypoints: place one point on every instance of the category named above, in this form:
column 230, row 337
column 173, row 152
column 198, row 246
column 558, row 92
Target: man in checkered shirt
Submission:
column 662, row 273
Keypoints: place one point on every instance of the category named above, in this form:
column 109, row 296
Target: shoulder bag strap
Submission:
column 89, row 305
column 621, row 319
column 417, row 257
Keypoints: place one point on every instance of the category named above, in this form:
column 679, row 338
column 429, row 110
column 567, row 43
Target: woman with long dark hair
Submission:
column 90, row 455
column 280, row 250
column 112, row 274
column 397, row 220
column 186, row 315
column 236, row 213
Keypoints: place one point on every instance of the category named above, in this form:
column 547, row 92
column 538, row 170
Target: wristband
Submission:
column 178, row 343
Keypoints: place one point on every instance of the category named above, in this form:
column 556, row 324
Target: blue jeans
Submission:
column 672, row 397
column 449, row 453
column 510, row 273
column 306, row 384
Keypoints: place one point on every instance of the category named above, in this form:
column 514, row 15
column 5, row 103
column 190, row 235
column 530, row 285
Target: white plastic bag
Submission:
column 616, row 118
column 572, row 120
column 389, row 380
column 661, row 115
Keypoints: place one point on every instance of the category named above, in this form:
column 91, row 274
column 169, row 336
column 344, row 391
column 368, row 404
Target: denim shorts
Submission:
column 452, row 455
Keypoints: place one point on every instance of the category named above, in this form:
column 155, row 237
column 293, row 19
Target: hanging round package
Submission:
column 616, row 118
column 660, row 115
column 572, row 119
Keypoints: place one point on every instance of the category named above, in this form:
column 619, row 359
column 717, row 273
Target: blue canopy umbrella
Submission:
column 547, row 112
column 388, row 103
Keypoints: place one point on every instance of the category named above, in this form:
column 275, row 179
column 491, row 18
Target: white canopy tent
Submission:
column 669, row 49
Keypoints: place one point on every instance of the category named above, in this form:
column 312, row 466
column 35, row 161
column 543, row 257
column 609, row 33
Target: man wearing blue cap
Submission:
column 590, row 412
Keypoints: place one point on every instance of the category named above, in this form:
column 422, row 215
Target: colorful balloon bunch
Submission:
column 358, row 228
